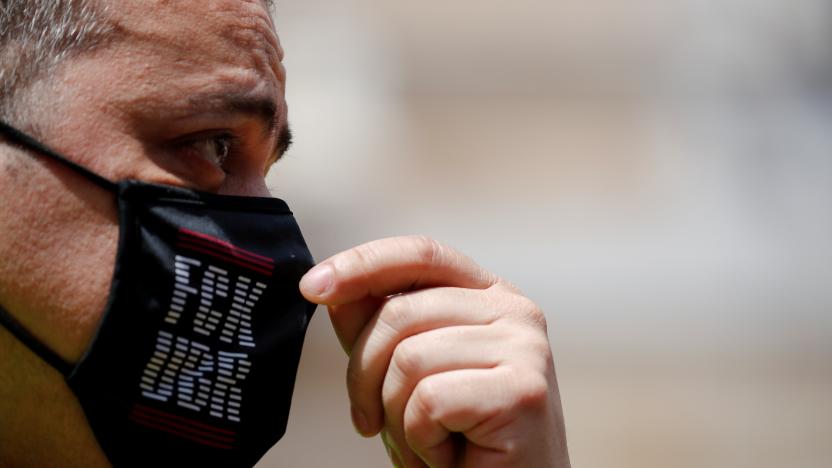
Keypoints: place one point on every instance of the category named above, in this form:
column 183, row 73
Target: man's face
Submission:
column 190, row 93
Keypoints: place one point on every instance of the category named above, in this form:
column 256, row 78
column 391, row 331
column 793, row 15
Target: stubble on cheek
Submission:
column 58, row 240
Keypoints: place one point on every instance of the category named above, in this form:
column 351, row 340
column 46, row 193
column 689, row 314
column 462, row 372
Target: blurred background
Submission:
column 657, row 175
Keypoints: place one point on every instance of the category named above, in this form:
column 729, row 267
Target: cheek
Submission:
column 58, row 236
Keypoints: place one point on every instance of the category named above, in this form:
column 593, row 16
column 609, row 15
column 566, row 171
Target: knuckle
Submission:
column 533, row 349
column 533, row 391
column 396, row 311
column 428, row 250
column 534, row 352
column 508, row 286
column 527, row 347
column 538, row 343
column 544, row 351
column 366, row 253
column 407, row 358
column 426, row 398
column 530, row 311
column 391, row 395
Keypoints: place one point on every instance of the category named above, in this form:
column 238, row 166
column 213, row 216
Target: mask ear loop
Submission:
column 50, row 357
column 16, row 136
column 10, row 323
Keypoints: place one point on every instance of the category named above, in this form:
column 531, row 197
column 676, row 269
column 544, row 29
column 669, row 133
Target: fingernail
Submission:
column 360, row 421
column 318, row 280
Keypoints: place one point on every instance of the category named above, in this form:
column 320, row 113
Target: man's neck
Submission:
column 43, row 424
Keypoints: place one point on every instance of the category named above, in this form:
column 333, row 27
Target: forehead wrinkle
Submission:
column 252, row 17
column 244, row 51
column 242, row 33
column 255, row 33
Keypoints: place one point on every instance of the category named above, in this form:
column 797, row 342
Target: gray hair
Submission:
column 36, row 36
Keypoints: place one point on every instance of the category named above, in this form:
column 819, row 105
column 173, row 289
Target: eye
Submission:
column 215, row 149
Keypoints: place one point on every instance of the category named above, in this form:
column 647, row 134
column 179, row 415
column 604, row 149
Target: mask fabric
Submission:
column 195, row 358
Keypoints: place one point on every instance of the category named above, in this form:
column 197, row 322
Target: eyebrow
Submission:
column 284, row 140
column 263, row 106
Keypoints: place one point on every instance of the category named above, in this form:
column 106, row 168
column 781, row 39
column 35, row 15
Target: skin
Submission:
column 448, row 362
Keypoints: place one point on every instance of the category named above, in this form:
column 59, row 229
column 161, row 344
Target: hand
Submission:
column 449, row 362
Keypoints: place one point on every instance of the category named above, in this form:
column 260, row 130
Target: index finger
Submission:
column 390, row 266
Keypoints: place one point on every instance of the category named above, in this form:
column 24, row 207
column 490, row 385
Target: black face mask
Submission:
column 195, row 358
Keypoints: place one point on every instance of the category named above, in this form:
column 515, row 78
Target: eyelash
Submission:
column 230, row 141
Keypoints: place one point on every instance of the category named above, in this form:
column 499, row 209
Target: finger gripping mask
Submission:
column 195, row 358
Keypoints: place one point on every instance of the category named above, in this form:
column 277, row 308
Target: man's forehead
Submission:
column 189, row 24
